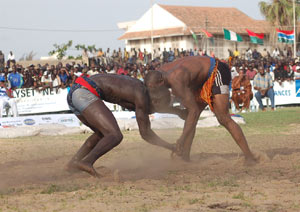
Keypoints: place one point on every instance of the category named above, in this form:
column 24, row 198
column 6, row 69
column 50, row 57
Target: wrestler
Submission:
column 85, row 99
column 198, row 81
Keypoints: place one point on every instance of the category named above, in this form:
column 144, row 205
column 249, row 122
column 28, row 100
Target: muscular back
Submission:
column 122, row 90
column 193, row 70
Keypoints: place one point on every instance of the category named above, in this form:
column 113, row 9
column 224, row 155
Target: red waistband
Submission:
column 85, row 84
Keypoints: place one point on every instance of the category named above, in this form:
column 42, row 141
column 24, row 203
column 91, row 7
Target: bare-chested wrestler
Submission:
column 198, row 81
column 86, row 101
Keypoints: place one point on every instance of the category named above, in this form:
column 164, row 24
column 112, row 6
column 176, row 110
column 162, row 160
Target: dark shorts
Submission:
column 81, row 99
column 223, row 79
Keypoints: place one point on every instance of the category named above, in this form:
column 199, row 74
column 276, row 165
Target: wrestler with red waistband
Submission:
column 85, row 99
column 198, row 81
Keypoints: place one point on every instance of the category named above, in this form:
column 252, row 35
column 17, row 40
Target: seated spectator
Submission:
column 241, row 91
column 297, row 73
column 264, row 85
column 289, row 76
column 279, row 73
column 6, row 98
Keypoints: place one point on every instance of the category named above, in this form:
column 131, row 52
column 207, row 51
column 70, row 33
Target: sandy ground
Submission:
column 142, row 177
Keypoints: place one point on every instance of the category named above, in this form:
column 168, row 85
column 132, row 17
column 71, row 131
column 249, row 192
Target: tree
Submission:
column 280, row 15
column 61, row 49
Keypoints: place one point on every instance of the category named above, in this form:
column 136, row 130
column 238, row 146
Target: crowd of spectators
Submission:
column 136, row 63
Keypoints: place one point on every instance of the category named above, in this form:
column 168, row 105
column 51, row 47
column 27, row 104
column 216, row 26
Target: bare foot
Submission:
column 251, row 161
column 79, row 165
column 72, row 167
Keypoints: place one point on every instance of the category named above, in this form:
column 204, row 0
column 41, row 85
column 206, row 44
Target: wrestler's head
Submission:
column 159, row 94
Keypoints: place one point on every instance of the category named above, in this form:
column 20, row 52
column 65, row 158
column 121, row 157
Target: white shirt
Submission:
column 11, row 56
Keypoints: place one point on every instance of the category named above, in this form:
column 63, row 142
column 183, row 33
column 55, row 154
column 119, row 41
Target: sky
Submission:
column 35, row 25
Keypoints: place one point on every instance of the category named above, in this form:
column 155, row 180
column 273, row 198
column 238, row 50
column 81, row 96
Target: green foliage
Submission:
column 87, row 48
column 279, row 12
column 61, row 49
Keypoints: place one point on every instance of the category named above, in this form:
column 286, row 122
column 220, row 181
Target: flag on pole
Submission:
column 194, row 36
column 230, row 35
column 209, row 36
column 256, row 37
column 285, row 36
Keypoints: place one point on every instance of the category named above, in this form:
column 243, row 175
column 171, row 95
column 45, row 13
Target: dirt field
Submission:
column 141, row 177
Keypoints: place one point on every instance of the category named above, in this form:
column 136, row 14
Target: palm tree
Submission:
column 280, row 15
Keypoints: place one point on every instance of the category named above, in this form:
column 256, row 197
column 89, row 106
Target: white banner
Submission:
column 285, row 94
column 69, row 120
column 30, row 101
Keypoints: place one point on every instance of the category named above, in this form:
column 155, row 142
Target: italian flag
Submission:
column 230, row 35
column 256, row 37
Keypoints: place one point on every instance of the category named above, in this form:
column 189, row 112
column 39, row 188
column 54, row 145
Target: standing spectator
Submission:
column 85, row 57
column 6, row 98
column 10, row 59
column 276, row 53
column 250, row 72
column 2, row 61
column 156, row 55
column 56, row 82
column 248, row 54
column 264, row 85
column 46, row 81
column 256, row 55
column 15, row 78
column 165, row 56
column 146, row 58
column 171, row 55
column 28, row 80
column 236, row 53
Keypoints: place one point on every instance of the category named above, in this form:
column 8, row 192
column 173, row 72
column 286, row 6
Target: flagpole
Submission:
column 151, row 2
column 295, row 40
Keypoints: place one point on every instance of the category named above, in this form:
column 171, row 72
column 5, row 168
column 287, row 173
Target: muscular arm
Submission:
column 146, row 131
column 180, row 89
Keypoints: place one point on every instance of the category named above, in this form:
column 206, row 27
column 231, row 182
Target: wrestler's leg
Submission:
column 88, row 145
column 222, row 113
column 102, row 119
column 184, row 149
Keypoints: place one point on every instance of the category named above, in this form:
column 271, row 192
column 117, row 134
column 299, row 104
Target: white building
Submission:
column 171, row 26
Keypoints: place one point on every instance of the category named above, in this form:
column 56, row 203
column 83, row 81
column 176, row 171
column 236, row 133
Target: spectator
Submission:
column 15, row 78
column 2, row 61
column 264, row 85
column 250, row 72
column 28, row 80
column 276, row 53
column 46, row 81
column 289, row 76
column 56, row 82
column 297, row 73
column 6, row 99
column 241, row 91
column 11, row 59
column 236, row 53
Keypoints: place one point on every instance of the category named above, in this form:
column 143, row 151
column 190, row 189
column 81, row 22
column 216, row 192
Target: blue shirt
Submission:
column 15, row 80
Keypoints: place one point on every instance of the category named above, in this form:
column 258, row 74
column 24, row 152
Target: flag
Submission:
column 285, row 36
column 194, row 36
column 230, row 35
column 256, row 37
column 209, row 36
